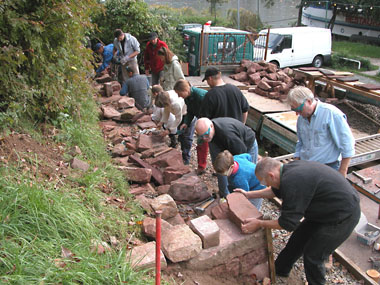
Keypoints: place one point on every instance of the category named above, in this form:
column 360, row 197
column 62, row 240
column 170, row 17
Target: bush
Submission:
column 43, row 58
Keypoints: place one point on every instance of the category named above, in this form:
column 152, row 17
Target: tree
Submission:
column 213, row 6
column 248, row 20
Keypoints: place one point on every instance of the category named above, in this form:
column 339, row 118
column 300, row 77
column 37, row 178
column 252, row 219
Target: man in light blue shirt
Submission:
column 322, row 130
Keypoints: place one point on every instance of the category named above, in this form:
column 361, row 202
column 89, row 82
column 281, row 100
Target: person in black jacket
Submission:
column 227, row 134
column 318, row 204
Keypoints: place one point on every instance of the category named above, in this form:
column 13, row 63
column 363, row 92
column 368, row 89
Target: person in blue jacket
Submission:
column 240, row 171
column 107, row 54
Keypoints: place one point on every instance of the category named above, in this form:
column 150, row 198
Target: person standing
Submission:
column 223, row 100
column 152, row 61
column 193, row 97
column 172, row 68
column 318, row 204
column 322, row 130
column 107, row 53
column 128, row 48
column 226, row 134
column 136, row 86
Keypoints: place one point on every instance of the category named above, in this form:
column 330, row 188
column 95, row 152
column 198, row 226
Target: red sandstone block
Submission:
column 207, row 230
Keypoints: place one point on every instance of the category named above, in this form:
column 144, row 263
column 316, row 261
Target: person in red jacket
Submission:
column 152, row 62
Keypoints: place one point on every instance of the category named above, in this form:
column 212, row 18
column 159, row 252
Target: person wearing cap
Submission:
column 319, row 206
column 322, row 130
column 226, row 134
column 223, row 100
column 152, row 62
column 172, row 68
column 107, row 53
column 136, row 86
column 128, row 48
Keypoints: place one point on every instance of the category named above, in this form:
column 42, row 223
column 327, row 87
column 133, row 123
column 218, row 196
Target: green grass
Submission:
column 356, row 49
column 39, row 217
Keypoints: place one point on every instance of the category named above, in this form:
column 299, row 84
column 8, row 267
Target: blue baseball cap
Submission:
column 98, row 46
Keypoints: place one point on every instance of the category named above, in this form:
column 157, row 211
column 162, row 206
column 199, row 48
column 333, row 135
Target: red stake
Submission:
column 158, row 247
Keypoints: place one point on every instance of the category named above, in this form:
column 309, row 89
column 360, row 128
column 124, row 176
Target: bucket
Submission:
column 374, row 274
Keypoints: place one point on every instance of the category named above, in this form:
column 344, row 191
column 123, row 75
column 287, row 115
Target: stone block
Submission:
column 207, row 230
column 144, row 257
column 261, row 92
column 163, row 189
column 271, row 67
column 260, row 271
column 119, row 150
column 128, row 114
column 172, row 158
column 264, row 85
column 174, row 173
column 104, row 78
column 123, row 161
column 156, row 173
column 138, row 175
column 189, row 188
column 109, row 112
column 141, row 189
column 166, row 204
column 176, row 220
column 79, row 164
column 145, row 118
column 242, row 76
column 108, row 100
column 220, row 211
column 149, row 227
column 232, row 244
column 126, row 102
column 254, row 78
column 180, row 243
column 272, row 76
column 115, row 86
column 147, row 125
column 145, row 203
column 144, row 142
column 241, row 208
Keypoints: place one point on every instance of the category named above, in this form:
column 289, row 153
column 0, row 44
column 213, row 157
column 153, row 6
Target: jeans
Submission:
column 222, row 180
column 186, row 140
column 315, row 241
column 156, row 77
column 335, row 164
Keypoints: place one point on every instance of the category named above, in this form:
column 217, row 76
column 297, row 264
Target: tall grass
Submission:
column 40, row 217
column 356, row 49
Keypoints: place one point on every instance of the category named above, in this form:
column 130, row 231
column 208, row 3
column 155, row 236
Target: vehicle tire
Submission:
column 317, row 61
column 276, row 63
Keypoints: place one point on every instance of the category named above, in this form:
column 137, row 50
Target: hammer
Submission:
column 200, row 209
column 366, row 180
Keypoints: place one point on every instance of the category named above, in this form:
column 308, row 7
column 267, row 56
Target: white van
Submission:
column 297, row 46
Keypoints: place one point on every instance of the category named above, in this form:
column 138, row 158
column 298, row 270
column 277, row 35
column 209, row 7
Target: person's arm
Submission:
column 177, row 71
column 124, row 89
column 245, row 116
column 251, row 225
column 344, row 166
column 264, row 193
column 299, row 141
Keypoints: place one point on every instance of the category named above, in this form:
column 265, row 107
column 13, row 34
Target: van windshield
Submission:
column 274, row 39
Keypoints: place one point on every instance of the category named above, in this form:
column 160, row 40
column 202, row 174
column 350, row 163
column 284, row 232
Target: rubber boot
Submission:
column 173, row 141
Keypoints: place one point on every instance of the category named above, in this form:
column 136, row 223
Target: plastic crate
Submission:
column 366, row 233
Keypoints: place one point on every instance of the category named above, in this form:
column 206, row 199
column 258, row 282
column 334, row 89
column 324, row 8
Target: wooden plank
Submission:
column 264, row 104
column 272, row 269
column 196, row 81
column 353, row 268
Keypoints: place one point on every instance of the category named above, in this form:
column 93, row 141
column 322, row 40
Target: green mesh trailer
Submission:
column 217, row 46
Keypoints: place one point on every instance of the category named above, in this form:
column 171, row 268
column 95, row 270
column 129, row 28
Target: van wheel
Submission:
column 276, row 63
column 317, row 61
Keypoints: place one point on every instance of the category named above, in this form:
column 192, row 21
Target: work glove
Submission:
column 125, row 59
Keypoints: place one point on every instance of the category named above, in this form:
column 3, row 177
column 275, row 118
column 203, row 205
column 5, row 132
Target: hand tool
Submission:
column 200, row 209
column 365, row 180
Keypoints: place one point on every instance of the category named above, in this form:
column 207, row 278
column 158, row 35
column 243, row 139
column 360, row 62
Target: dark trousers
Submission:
column 186, row 140
column 315, row 242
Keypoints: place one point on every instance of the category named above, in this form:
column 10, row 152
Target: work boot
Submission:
column 173, row 141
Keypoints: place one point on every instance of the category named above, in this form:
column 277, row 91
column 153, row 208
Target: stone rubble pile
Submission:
column 212, row 242
column 267, row 79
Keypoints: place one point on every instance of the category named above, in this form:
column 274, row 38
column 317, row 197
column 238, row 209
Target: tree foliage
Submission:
column 43, row 58
column 249, row 21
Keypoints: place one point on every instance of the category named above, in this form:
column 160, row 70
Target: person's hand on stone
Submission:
column 239, row 190
column 250, row 225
